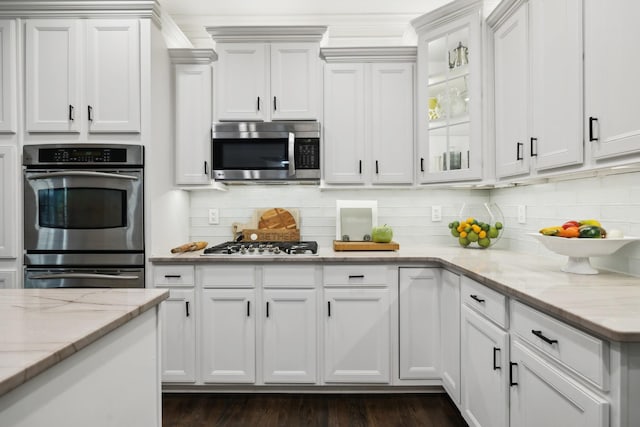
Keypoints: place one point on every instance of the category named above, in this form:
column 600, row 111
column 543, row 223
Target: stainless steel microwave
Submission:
column 266, row 151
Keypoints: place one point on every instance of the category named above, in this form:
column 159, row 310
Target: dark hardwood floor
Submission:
column 309, row 410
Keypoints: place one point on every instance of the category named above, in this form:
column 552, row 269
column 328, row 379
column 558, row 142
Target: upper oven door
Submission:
column 83, row 210
column 268, row 156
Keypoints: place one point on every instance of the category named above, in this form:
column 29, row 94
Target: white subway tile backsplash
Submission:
column 612, row 199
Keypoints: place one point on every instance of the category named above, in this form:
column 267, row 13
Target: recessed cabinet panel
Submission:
column 8, row 70
column 294, row 81
column 53, row 75
column 113, row 75
column 179, row 337
column 611, row 85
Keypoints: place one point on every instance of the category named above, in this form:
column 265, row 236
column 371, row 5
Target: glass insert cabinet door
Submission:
column 449, row 121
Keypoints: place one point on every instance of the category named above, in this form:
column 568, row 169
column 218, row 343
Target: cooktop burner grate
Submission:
column 263, row 248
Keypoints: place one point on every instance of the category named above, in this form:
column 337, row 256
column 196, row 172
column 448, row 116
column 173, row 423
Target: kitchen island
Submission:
column 79, row 357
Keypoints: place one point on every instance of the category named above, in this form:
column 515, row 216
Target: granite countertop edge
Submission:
column 67, row 349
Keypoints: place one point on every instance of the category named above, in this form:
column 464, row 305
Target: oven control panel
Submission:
column 82, row 154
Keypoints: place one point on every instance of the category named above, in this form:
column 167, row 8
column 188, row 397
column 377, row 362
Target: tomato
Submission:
column 570, row 224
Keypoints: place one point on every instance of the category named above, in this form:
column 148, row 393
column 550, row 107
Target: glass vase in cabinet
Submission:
column 449, row 88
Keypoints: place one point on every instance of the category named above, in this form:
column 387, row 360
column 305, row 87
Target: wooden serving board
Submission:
column 268, row 235
column 339, row 245
column 277, row 218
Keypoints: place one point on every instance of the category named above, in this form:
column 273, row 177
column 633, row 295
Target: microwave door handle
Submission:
column 84, row 276
column 82, row 173
column 292, row 154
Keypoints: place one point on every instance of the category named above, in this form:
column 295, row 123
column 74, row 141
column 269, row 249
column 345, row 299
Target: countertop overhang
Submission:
column 605, row 304
column 41, row 327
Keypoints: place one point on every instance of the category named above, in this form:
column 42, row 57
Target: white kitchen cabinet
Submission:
column 193, row 104
column 228, row 353
column 179, row 337
column 290, row 336
column 449, row 113
column 178, row 317
column 266, row 74
column 7, row 279
column 484, row 371
column 538, row 119
column 8, row 82
column 356, row 345
column 368, row 116
column 420, row 308
column 83, row 75
column 542, row 395
column 450, row 334
column 8, row 201
column 611, row 84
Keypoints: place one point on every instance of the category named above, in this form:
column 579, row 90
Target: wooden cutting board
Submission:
column 339, row 245
column 277, row 218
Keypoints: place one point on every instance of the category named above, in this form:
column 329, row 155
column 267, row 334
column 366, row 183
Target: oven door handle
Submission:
column 82, row 173
column 84, row 276
column 292, row 154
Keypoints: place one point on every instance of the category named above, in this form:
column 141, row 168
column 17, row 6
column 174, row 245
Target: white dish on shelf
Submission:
column 579, row 250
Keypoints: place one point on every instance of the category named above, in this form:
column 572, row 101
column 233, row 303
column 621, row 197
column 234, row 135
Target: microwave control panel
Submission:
column 307, row 153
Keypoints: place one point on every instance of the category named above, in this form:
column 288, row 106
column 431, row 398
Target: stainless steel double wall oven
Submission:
column 83, row 215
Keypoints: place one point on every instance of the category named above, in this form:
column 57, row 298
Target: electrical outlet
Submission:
column 436, row 213
column 214, row 216
column 522, row 214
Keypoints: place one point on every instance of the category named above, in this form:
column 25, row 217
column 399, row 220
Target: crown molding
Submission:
column 267, row 33
column 80, row 8
column 192, row 56
column 369, row 54
column 445, row 14
column 503, row 11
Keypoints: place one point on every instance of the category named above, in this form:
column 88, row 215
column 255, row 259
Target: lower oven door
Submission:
column 84, row 278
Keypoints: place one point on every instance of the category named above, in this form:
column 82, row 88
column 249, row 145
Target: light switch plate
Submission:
column 522, row 214
column 214, row 217
column 436, row 213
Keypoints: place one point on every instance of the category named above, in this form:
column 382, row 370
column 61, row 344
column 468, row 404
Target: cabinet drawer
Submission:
column 579, row 351
column 289, row 276
column 490, row 303
column 173, row 275
column 226, row 276
column 356, row 275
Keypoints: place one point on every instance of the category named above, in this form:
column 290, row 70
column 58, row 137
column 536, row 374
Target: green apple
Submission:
column 382, row 234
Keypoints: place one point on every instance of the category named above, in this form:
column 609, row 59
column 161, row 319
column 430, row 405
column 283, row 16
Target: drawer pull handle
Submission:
column 329, row 308
column 477, row 298
column 172, row 276
column 540, row 335
column 186, row 304
column 356, row 276
column 495, row 359
column 511, row 381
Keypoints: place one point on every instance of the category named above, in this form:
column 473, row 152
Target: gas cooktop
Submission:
column 263, row 248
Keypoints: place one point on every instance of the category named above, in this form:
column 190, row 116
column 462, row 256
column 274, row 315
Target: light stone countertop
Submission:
column 41, row 327
column 605, row 304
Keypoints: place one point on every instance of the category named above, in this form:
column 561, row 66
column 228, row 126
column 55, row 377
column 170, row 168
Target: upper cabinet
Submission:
column 8, row 61
column 267, row 73
column 83, row 74
column 538, row 86
column 449, row 113
column 193, row 103
column 368, row 115
column 611, row 80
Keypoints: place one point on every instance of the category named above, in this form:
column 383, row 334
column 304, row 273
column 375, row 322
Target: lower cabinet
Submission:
column 289, row 336
column 179, row 337
column 450, row 334
column 485, row 370
column 541, row 395
column 356, row 345
column 419, row 309
column 228, row 336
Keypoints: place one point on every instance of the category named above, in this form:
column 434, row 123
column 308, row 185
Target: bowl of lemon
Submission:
column 479, row 226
